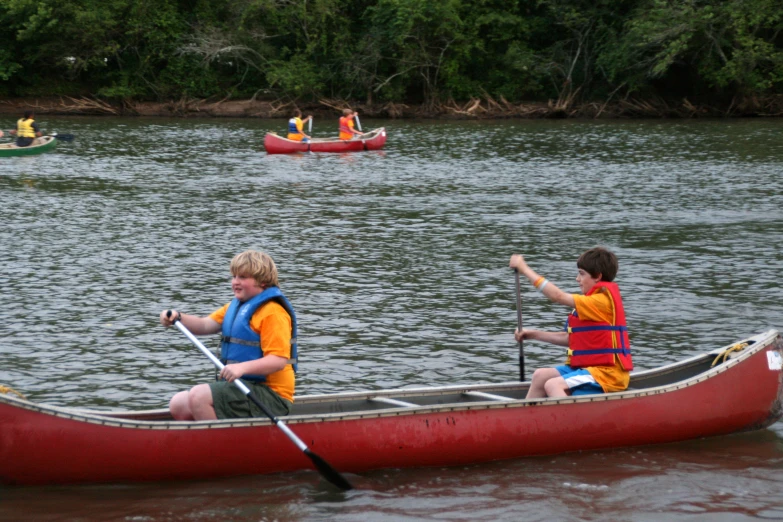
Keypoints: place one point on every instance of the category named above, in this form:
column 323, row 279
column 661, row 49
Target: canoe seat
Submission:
column 393, row 402
column 488, row 396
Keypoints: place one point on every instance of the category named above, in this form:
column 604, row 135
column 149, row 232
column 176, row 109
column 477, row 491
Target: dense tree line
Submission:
column 411, row 51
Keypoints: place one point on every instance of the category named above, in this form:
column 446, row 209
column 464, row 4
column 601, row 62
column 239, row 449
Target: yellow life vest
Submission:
column 295, row 127
column 24, row 128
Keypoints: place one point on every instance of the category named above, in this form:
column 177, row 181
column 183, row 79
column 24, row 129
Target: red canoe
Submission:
column 735, row 388
column 372, row 140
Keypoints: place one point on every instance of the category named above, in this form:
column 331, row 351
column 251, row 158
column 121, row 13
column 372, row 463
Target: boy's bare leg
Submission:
column 179, row 408
column 200, row 402
column 556, row 387
column 540, row 378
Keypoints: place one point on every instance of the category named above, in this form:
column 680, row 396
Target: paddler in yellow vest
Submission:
column 26, row 130
column 599, row 349
column 296, row 127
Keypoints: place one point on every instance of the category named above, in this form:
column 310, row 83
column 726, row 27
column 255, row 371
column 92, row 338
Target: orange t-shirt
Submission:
column 599, row 307
column 273, row 324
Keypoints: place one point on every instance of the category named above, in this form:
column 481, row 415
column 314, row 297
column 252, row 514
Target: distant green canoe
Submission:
column 43, row 144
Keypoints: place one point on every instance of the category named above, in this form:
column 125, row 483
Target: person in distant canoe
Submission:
column 26, row 130
column 296, row 126
column 599, row 349
column 258, row 345
column 347, row 130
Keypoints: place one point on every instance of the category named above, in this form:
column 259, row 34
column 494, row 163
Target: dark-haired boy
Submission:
column 599, row 349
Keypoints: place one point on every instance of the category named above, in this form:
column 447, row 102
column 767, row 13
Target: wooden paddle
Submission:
column 327, row 471
column 519, row 326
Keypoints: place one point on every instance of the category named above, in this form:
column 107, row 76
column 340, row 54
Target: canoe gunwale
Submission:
column 368, row 136
column 10, row 150
column 116, row 419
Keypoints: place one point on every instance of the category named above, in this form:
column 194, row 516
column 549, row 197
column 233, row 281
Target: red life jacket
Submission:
column 595, row 343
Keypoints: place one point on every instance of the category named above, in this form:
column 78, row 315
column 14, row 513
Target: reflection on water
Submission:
column 395, row 261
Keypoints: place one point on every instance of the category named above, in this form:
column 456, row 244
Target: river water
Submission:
column 396, row 262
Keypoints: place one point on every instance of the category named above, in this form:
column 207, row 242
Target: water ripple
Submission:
column 394, row 259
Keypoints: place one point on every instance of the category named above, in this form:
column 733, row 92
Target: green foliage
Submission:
column 8, row 67
column 185, row 76
column 729, row 43
column 296, row 77
column 392, row 50
column 420, row 44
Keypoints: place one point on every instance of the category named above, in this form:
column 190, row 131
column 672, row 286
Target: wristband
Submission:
column 541, row 288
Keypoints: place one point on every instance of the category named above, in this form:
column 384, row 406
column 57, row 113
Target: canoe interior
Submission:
column 39, row 146
column 482, row 393
column 39, row 142
column 365, row 401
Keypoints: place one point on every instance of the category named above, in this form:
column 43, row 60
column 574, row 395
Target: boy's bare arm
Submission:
column 266, row 365
column 557, row 338
column 547, row 288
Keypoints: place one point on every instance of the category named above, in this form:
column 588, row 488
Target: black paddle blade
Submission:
column 64, row 137
column 328, row 472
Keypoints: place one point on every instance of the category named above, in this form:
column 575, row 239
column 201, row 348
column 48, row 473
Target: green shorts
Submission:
column 231, row 403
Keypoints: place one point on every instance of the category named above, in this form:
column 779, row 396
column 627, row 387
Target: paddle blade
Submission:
column 328, row 472
column 64, row 137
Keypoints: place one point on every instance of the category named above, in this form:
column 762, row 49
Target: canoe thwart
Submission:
column 487, row 396
column 393, row 402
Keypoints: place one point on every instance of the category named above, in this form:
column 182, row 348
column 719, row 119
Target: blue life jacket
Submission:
column 239, row 343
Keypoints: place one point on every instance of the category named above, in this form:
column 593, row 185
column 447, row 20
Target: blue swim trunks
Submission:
column 579, row 381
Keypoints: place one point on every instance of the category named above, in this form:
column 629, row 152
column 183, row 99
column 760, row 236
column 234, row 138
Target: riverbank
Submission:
column 477, row 108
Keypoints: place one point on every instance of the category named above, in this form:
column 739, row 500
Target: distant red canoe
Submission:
column 372, row 140
column 735, row 388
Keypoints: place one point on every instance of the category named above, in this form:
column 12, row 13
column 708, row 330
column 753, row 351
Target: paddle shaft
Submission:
column 519, row 326
column 326, row 470
column 358, row 123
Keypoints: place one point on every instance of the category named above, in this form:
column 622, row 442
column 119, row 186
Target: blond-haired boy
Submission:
column 258, row 344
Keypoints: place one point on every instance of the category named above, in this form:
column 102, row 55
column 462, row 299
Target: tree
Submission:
column 732, row 44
